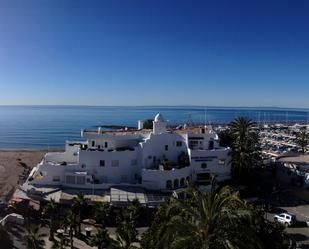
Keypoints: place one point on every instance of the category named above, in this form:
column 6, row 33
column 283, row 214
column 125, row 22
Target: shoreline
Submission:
column 14, row 166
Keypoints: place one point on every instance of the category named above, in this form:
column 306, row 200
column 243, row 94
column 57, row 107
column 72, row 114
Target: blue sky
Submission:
column 160, row 52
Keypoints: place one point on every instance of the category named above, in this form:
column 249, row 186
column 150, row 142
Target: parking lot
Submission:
column 296, row 201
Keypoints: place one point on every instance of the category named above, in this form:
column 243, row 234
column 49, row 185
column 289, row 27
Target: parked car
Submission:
column 287, row 219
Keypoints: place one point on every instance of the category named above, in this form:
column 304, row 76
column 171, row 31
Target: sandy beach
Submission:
column 13, row 164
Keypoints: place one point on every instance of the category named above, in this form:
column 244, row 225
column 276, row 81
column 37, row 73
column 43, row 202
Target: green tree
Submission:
column 148, row 124
column 226, row 138
column 79, row 204
column 102, row 212
column 302, row 139
column 5, row 238
column 126, row 235
column 101, row 239
column 52, row 210
column 33, row 238
column 71, row 221
column 245, row 150
column 207, row 220
column 271, row 234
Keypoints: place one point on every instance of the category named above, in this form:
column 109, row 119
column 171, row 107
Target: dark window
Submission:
column 182, row 182
column 176, row 183
column 211, row 145
column 105, row 144
column 204, row 165
column 102, row 163
column 193, row 144
column 169, row 184
column 166, row 147
column 92, row 143
column 179, row 143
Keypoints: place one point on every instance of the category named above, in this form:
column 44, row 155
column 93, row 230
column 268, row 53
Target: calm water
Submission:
column 49, row 126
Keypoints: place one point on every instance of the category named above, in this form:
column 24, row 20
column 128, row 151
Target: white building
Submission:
column 159, row 159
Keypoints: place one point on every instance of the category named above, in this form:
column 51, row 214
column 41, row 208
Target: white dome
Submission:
column 159, row 118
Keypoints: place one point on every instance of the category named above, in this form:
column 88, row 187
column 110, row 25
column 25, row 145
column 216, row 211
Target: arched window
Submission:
column 188, row 179
column 169, row 184
column 182, row 182
column 176, row 183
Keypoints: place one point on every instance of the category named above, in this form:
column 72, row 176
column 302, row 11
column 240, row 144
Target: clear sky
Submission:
column 155, row 52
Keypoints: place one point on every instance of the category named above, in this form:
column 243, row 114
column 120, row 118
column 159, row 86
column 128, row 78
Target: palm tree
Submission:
column 241, row 128
column 51, row 210
column 132, row 212
column 126, row 235
column 303, row 140
column 5, row 239
column 102, row 212
column 33, row 238
column 71, row 221
column 207, row 220
column 79, row 203
column 245, row 152
column 101, row 239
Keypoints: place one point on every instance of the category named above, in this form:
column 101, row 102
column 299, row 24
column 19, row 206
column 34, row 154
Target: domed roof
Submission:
column 159, row 118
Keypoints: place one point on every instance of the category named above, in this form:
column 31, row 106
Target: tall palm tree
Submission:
column 241, row 128
column 52, row 210
column 207, row 220
column 79, row 203
column 245, row 152
column 71, row 221
column 33, row 238
column 303, row 140
column 101, row 239
column 102, row 212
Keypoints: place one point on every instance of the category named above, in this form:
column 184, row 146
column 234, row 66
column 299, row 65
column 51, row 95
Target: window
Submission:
column 211, row 145
column 102, row 163
column 93, row 143
column 115, row 163
column 204, row 165
column 105, row 144
column 134, row 162
column 176, row 183
column 182, row 182
column 166, row 147
column 80, row 180
column 169, row 184
column 56, row 178
column 221, row 162
column 70, row 179
column 193, row 144
column 188, row 179
column 179, row 143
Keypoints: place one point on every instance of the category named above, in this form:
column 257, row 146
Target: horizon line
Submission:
column 167, row 106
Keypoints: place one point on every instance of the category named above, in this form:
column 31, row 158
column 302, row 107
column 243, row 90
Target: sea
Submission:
column 48, row 127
